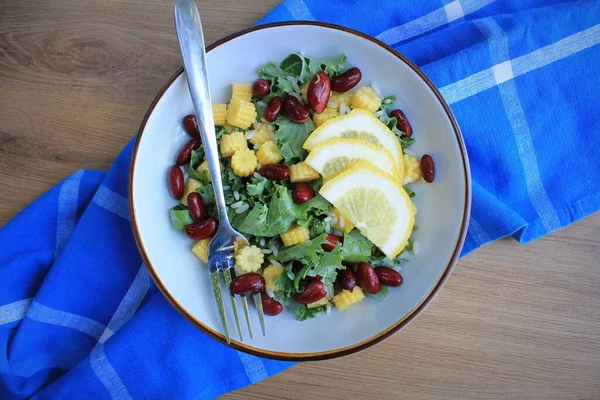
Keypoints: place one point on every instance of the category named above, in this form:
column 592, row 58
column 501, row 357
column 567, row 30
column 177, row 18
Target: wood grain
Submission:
column 76, row 77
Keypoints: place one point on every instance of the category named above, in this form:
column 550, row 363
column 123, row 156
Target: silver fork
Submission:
column 222, row 246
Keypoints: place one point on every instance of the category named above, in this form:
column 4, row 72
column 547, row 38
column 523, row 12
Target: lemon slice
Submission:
column 376, row 203
column 358, row 124
column 335, row 156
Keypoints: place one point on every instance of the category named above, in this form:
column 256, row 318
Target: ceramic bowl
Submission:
column 443, row 205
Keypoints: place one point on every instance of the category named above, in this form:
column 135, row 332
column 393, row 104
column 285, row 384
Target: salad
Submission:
column 314, row 167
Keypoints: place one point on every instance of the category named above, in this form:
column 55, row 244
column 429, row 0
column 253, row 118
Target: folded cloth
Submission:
column 522, row 79
column 79, row 315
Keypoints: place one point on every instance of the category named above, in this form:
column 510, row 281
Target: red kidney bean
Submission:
column 247, row 283
column 388, row 276
column 319, row 90
column 176, row 182
column 186, row 152
column 302, row 193
column 347, row 80
column 347, row 279
column 367, row 278
column 427, row 168
column 273, row 109
column 190, row 125
column 295, row 111
column 402, row 123
column 260, row 88
column 313, row 291
column 196, row 207
column 270, row 305
column 332, row 241
column 275, row 172
column 201, row 230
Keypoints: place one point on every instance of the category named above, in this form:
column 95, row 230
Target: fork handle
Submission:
column 191, row 42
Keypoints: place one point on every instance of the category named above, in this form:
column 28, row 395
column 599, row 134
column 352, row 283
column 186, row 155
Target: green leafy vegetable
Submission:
column 260, row 189
column 208, row 195
column 308, row 253
column 391, row 123
column 278, row 77
column 291, row 136
column 328, row 266
column 260, row 112
column 316, row 206
column 303, row 312
column 299, row 67
column 409, row 245
column 180, row 217
column 195, row 161
column 316, row 226
column 406, row 142
column 253, row 222
column 356, row 247
column 388, row 102
column 286, row 283
column 221, row 132
column 332, row 66
column 381, row 295
column 295, row 65
column 272, row 220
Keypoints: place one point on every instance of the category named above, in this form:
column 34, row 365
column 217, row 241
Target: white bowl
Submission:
column 443, row 206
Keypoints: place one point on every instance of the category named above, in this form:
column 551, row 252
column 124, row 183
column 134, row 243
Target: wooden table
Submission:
column 76, row 77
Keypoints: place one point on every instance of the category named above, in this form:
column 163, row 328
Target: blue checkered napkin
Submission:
column 522, row 78
column 79, row 316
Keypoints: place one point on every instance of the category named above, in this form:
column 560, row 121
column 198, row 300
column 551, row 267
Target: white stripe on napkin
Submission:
column 107, row 374
column 539, row 58
column 298, row 10
column 41, row 313
column 130, row 303
column 128, row 306
column 14, row 311
column 112, row 202
column 450, row 12
column 503, row 74
column 255, row 370
column 68, row 198
column 478, row 234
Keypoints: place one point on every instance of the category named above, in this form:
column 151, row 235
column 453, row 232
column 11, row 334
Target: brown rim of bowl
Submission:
column 390, row 330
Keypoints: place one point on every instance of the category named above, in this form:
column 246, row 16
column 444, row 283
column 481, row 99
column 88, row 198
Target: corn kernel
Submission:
column 302, row 172
column 412, row 168
column 262, row 135
column 220, row 114
column 190, row 186
column 339, row 98
column 318, row 303
column 346, row 298
column 366, row 98
column 200, row 249
column 269, row 153
column 326, row 115
column 304, row 92
column 244, row 162
column 241, row 113
column 294, row 235
column 231, row 143
column 271, row 273
column 249, row 258
column 241, row 91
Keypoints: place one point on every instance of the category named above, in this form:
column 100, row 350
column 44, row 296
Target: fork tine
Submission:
column 227, row 276
column 247, row 313
column 261, row 314
column 216, row 285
